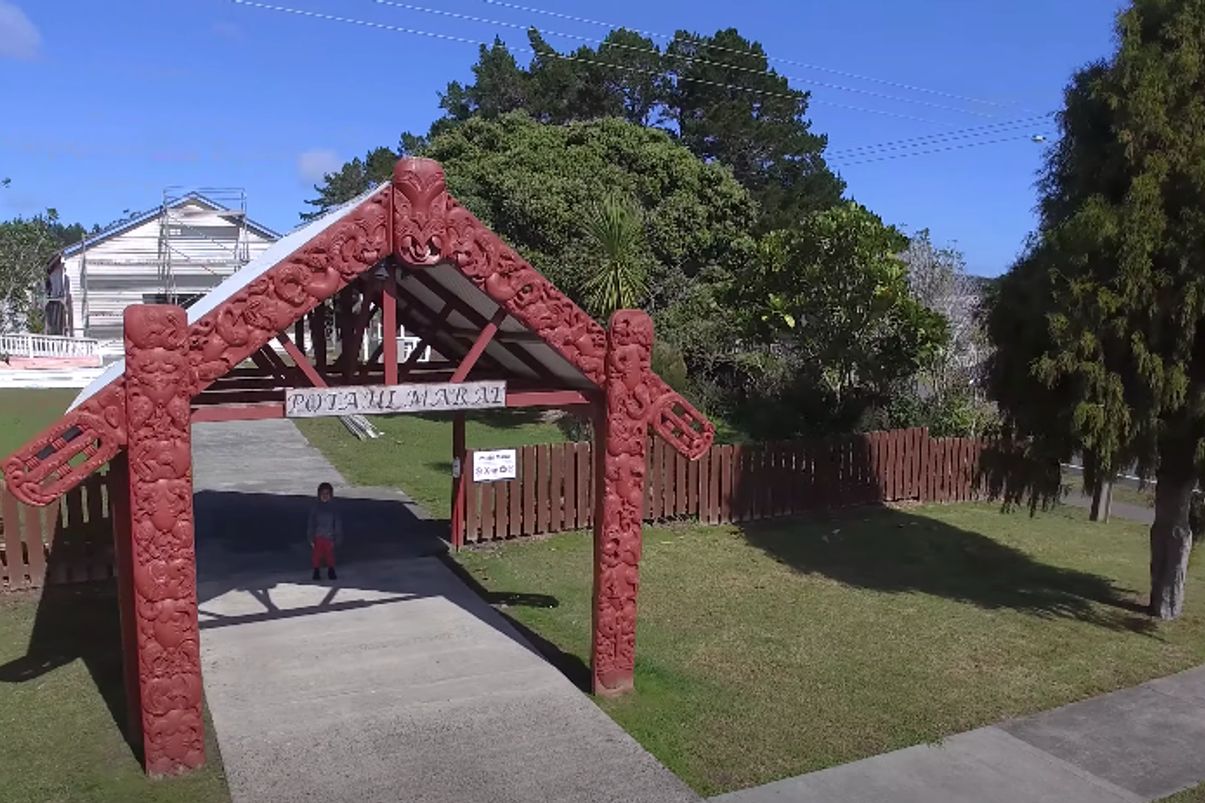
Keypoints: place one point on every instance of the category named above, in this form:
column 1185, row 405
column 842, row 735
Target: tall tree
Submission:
column 716, row 94
column 26, row 246
column 1119, row 255
column 730, row 106
column 499, row 86
column 357, row 176
column 938, row 279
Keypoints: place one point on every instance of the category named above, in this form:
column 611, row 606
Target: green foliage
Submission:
column 959, row 413
column 355, row 177
column 26, row 248
column 534, row 183
column 716, row 94
column 615, row 229
column 760, row 130
column 832, row 297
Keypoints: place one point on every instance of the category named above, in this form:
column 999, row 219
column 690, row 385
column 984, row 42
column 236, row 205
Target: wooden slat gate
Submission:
column 69, row 541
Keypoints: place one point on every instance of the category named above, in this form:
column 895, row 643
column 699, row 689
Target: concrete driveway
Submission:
column 395, row 683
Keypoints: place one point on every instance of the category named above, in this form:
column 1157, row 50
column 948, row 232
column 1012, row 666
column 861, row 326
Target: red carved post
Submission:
column 159, row 384
column 619, row 493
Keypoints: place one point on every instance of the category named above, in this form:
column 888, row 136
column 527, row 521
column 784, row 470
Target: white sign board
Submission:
column 497, row 464
column 384, row 399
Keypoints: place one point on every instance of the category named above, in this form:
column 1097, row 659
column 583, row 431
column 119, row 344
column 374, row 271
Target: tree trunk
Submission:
column 1171, row 534
column 1102, row 501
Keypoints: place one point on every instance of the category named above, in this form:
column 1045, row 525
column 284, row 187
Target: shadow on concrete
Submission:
column 570, row 665
column 895, row 551
column 78, row 622
column 253, row 542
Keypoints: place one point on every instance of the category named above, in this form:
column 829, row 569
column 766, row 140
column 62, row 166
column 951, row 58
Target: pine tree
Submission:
column 1115, row 278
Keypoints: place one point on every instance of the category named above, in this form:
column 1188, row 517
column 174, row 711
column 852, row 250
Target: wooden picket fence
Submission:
column 70, row 541
column 731, row 483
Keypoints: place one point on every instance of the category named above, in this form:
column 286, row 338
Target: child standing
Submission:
column 324, row 529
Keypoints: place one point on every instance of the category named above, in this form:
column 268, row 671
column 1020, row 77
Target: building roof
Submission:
column 122, row 226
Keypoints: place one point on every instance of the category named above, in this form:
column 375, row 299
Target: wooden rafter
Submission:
column 483, row 339
column 469, row 312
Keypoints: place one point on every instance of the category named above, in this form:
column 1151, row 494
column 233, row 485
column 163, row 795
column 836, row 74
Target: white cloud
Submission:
column 316, row 162
column 19, row 37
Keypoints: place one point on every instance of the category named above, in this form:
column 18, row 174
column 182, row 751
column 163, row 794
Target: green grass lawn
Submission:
column 787, row 647
column 1194, row 795
column 26, row 412
column 414, row 453
column 61, row 702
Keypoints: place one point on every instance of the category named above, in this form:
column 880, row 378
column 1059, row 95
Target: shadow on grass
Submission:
column 569, row 665
column 78, row 622
column 899, row 552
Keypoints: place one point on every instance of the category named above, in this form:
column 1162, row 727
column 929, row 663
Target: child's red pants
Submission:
column 323, row 552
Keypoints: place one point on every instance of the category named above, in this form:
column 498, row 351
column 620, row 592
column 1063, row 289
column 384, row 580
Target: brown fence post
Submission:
column 14, row 557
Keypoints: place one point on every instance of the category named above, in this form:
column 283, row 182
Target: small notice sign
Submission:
column 496, row 464
column 385, row 399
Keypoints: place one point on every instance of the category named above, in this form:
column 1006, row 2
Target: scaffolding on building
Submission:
column 180, row 234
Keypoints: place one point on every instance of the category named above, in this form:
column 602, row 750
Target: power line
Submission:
column 956, row 134
column 464, row 40
column 691, row 59
column 803, row 64
column 910, row 154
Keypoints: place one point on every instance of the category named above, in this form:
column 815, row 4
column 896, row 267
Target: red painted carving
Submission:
column 40, row 471
column 678, row 422
column 275, row 301
column 159, row 384
column 429, row 227
column 617, row 527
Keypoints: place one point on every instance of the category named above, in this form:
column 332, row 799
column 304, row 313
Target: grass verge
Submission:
column 782, row 648
column 25, row 412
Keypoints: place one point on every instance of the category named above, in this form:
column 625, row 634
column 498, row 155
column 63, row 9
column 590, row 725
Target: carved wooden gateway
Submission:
column 409, row 254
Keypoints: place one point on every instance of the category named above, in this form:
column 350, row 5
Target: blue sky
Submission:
column 106, row 103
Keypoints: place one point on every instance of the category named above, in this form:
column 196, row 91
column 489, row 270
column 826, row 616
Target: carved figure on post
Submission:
column 159, row 385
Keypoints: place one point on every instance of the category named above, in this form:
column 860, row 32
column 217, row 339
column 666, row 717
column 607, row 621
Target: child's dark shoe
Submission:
column 317, row 576
column 330, row 574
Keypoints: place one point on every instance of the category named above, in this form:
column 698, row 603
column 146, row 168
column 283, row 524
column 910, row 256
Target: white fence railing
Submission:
column 407, row 345
column 26, row 344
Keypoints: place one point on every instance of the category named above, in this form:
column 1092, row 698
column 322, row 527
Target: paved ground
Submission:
column 1118, row 510
column 1121, row 510
column 394, row 683
column 1133, row 745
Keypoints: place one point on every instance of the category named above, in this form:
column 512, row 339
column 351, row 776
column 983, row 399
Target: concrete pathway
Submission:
column 394, row 683
column 1122, row 510
column 1133, row 745
column 1118, row 510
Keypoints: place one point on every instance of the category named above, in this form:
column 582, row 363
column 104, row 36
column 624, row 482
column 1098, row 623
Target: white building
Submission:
column 174, row 253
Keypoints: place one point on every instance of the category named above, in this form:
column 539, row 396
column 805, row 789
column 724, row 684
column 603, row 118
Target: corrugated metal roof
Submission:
column 114, row 229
